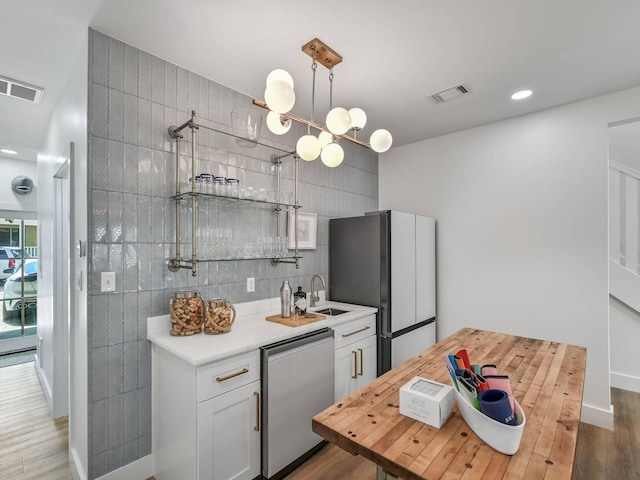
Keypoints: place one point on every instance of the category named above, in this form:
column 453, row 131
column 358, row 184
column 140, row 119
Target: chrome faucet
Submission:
column 314, row 297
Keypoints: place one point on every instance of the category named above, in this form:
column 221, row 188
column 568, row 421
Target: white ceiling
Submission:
column 395, row 54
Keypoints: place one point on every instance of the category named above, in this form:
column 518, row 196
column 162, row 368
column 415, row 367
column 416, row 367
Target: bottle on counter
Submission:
column 300, row 302
column 285, row 299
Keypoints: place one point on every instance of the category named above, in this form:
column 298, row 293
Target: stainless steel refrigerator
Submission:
column 387, row 260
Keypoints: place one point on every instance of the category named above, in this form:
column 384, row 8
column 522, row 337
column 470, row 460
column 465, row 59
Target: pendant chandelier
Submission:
column 280, row 98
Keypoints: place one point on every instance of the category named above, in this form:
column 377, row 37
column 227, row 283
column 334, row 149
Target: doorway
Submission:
column 18, row 284
column 61, row 299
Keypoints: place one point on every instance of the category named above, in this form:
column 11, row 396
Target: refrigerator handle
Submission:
column 383, row 325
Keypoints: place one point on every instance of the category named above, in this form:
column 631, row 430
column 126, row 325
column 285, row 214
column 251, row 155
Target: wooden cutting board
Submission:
column 295, row 321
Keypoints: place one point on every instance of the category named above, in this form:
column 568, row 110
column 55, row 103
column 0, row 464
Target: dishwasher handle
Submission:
column 291, row 343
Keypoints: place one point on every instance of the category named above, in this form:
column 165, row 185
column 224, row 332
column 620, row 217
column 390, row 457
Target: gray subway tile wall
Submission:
column 134, row 97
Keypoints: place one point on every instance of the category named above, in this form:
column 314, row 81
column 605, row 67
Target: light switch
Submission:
column 108, row 281
column 251, row 284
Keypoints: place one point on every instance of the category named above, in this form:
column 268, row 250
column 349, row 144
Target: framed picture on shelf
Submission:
column 306, row 231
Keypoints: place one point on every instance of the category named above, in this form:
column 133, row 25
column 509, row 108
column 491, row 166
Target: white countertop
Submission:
column 250, row 331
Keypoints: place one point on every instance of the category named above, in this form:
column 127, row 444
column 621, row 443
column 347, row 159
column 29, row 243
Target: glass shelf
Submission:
column 245, row 148
column 184, row 195
column 208, row 260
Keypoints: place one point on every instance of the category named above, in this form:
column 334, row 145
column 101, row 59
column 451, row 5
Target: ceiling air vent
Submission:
column 17, row 89
column 449, row 93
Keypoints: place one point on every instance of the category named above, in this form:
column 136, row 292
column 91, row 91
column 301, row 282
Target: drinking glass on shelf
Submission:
column 249, row 250
column 282, row 246
column 227, row 238
column 233, row 187
column 248, row 193
column 216, row 250
column 286, row 198
column 246, row 125
column 207, row 182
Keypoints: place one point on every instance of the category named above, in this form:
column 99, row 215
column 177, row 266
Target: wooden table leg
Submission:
column 382, row 475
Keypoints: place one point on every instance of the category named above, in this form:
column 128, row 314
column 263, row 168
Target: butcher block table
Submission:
column 547, row 380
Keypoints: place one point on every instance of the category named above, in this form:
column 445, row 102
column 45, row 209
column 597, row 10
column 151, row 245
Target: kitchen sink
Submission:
column 332, row 312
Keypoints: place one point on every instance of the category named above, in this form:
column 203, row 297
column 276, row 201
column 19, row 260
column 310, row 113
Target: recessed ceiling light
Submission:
column 521, row 94
column 7, row 151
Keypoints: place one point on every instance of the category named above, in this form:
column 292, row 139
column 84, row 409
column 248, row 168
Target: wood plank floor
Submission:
column 601, row 454
column 607, row 455
column 33, row 446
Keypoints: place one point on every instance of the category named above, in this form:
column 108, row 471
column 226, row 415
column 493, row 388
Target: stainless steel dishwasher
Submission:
column 297, row 383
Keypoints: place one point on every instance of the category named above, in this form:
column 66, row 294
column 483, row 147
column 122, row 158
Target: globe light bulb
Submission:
column 277, row 124
column 279, row 96
column 308, row 147
column 358, row 118
column 380, row 140
column 325, row 138
column 332, row 155
column 279, row 74
column 338, row 121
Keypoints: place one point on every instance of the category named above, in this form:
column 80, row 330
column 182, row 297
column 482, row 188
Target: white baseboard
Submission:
column 77, row 471
column 597, row 416
column 141, row 469
column 46, row 388
column 625, row 382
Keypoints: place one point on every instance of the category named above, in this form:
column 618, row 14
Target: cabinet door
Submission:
column 355, row 366
column 229, row 436
column 403, row 270
column 346, row 371
column 366, row 355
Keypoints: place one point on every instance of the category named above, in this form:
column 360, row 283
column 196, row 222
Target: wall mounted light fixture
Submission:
column 280, row 99
column 22, row 185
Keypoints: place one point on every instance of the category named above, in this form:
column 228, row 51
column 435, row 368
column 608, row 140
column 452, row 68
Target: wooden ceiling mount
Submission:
column 322, row 53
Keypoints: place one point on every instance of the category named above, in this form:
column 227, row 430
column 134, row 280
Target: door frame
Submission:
column 61, row 287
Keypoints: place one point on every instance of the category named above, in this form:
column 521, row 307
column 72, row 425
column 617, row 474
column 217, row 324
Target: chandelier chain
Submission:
column 330, row 89
column 314, row 66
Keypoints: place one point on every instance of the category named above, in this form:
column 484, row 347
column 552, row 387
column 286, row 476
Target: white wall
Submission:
column 521, row 209
column 68, row 124
column 11, row 202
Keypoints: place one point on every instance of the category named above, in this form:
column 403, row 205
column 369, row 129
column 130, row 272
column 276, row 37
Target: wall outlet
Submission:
column 108, row 281
column 251, row 284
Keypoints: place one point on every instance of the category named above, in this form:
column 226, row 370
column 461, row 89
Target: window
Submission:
column 18, row 278
column 10, row 234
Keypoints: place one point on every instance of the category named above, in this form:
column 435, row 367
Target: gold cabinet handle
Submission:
column 233, row 375
column 257, row 427
column 357, row 331
column 361, row 362
column 355, row 365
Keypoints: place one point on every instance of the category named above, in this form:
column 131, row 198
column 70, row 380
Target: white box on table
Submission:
column 427, row 401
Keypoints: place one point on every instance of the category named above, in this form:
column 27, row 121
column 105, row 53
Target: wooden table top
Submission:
column 547, row 380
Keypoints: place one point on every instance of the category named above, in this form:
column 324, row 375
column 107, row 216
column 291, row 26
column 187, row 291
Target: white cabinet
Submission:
column 206, row 419
column 355, row 356
column 229, row 435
